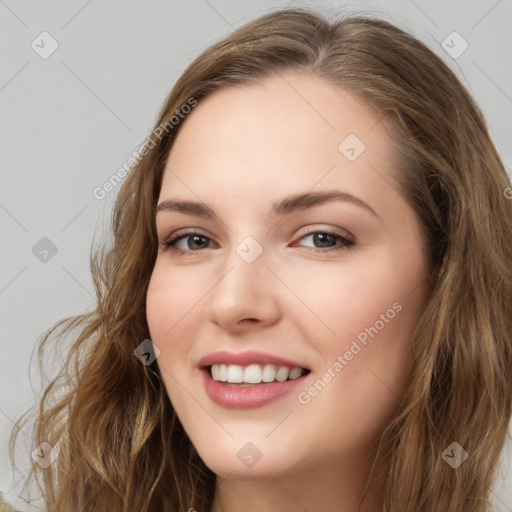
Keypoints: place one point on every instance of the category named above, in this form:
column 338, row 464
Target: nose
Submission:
column 245, row 296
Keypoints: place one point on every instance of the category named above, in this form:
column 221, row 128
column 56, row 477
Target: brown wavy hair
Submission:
column 121, row 446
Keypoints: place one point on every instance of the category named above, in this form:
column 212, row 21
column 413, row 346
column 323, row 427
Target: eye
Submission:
column 187, row 242
column 325, row 241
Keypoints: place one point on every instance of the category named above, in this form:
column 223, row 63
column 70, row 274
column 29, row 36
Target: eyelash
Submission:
column 170, row 243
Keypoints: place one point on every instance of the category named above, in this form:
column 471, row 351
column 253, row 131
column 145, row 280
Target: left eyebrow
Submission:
column 311, row 199
column 285, row 206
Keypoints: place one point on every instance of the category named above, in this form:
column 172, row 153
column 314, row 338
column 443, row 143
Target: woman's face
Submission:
column 298, row 263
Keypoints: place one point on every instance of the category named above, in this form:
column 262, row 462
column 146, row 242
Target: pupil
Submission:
column 322, row 238
column 194, row 240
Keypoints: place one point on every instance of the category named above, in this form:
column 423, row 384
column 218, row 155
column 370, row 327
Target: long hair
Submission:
column 121, row 446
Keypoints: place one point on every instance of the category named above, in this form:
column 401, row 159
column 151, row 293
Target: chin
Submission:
column 243, row 459
column 229, row 467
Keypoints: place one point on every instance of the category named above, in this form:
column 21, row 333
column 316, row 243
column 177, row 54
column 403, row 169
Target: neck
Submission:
column 328, row 490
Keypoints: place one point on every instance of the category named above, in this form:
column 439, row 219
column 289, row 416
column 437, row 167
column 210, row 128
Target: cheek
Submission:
column 338, row 301
column 365, row 316
column 170, row 300
column 173, row 308
column 167, row 313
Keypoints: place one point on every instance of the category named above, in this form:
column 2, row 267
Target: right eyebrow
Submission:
column 186, row 208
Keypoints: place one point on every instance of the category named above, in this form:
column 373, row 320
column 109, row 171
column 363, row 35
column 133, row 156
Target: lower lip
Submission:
column 247, row 397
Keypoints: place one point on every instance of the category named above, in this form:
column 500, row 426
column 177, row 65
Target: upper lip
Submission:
column 247, row 358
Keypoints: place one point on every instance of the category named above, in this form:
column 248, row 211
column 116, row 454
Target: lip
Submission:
column 250, row 397
column 247, row 397
column 246, row 358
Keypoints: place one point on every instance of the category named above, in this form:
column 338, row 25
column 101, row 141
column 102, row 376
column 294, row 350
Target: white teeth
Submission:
column 282, row 374
column 235, row 374
column 295, row 373
column 223, row 372
column 254, row 373
column 269, row 373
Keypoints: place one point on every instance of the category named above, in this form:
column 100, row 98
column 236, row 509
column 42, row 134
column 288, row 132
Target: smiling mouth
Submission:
column 254, row 374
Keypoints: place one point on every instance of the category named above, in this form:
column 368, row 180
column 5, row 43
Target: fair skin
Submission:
column 239, row 151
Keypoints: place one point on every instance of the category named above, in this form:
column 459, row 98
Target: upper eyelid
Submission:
column 188, row 231
column 315, row 229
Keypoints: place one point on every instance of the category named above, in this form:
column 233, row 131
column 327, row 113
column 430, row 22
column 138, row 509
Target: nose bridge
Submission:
column 243, row 291
column 244, row 269
column 245, row 264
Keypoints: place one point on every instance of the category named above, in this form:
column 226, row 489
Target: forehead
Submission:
column 290, row 132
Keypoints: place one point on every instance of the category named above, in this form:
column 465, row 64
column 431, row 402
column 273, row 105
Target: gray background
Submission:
column 70, row 120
